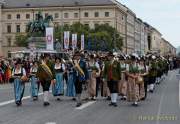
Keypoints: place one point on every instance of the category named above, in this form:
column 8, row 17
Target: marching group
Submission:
column 111, row 75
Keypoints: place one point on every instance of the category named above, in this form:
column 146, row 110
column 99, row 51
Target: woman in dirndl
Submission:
column 19, row 74
column 71, row 91
column 142, row 72
column 93, row 72
column 123, row 82
column 34, row 81
column 58, row 87
column 132, row 85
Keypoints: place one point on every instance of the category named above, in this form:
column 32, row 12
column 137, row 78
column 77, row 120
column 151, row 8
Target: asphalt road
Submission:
column 161, row 107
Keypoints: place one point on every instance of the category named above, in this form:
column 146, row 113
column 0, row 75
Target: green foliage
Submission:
column 21, row 40
column 101, row 33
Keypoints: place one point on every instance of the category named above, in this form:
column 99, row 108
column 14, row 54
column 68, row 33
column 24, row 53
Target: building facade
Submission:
column 17, row 13
column 167, row 49
column 130, row 23
column 1, row 30
column 155, row 40
column 138, row 36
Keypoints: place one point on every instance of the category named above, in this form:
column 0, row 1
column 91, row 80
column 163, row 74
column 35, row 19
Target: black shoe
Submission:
column 108, row 98
column 135, row 104
column 115, row 105
column 74, row 99
column 35, row 98
column 18, row 103
column 58, row 99
column 143, row 98
column 78, row 104
column 111, row 104
column 123, row 98
column 151, row 91
column 93, row 99
column 46, row 103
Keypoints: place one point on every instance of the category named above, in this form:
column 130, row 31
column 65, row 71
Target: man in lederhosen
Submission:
column 46, row 76
column 80, row 78
column 112, row 73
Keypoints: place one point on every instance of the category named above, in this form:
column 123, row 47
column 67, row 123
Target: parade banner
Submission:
column 82, row 42
column 49, row 38
column 74, row 41
column 66, row 39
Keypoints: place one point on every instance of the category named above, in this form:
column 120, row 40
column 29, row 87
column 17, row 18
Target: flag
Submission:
column 82, row 42
column 74, row 41
column 49, row 38
column 66, row 39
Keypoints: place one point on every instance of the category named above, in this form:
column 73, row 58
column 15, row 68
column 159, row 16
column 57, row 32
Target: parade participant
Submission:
column 46, row 76
column 71, row 91
column 19, row 76
column 81, row 70
column 132, row 85
column 142, row 72
column 34, row 81
column 93, row 73
column 112, row 73
column 159, row 70
column 8, row 73
column 58, row 87
column 152, row 73
column 146, row 77
column 123, row 82
column 104, row 86
column 98, row 64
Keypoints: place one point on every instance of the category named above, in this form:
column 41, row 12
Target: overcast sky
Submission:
column 164, row 15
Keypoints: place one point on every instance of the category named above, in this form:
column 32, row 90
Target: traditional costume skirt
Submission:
column 34, row 86
column 19, row 87
column 71, row 91
column 132, row 90
column 104, row 89
column 58, row 87
column 122, row 86
column 92, row 84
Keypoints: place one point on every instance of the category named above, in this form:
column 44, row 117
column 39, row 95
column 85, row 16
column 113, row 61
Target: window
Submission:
column 18, row 16
column 56, row 15
column 66, row 15
column 9, row 29
column 9, row 41
column 9, row 16
column 86, row 14
column 106, row 14
column 154, row 38
column 86, row 25
column 27, row 16
column 122, row 17
column 46, row 14
column 96, row 14
column 75, row 15
column 18, row 28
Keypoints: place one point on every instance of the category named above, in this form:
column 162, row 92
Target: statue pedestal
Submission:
column 37, row 43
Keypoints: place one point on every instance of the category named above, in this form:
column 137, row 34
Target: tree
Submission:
column 21, row 40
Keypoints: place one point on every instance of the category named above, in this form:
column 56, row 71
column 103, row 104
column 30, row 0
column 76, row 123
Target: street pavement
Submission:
column 160, row 107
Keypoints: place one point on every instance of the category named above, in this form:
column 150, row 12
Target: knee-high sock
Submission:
column 78, row 98
column 114, row 97
column 46, row 96
column 151, row 86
